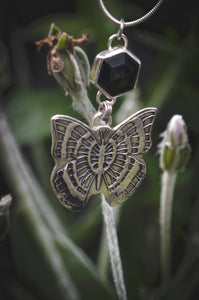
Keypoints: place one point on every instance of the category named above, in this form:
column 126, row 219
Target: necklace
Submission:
column 101, row 159
column 131, row 23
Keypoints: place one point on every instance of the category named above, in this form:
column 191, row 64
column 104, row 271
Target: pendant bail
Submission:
column 121, row 29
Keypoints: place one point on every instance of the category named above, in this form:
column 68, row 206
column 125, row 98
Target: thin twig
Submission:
column 103, row 256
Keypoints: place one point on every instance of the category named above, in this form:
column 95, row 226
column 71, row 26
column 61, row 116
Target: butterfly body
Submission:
column 97, row 160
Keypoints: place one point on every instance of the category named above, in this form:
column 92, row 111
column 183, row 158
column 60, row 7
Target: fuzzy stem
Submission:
column 83, row 106
column 166, row 198
column 103, row 257
column 26, row 192
column 114, row 251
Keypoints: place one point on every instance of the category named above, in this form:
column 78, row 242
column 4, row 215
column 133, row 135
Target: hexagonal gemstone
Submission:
column 118, row 74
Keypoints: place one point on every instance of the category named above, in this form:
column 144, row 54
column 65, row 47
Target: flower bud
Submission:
column 177, row 131
column 69, row 64
column 174, row 149
column 5, row 203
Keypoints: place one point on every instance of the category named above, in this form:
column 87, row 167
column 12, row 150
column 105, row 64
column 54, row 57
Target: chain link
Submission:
column 131, row 23
column 104, row 109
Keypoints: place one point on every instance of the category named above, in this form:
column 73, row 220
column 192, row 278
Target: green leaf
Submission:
column 54, row 30
column 169, row 156
column 84, row 65
column 62, row 43
column 30, row 110
column 183, row 157
column 87, row 273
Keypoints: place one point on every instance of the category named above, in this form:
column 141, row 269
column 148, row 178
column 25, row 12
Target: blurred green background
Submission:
column 167, row 45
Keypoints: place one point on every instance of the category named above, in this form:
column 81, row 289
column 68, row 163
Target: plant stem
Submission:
column 82, row 101
column 74, row 78
column 22, row 184
column 103, row 256
column 166, row 198
column 83, row 106
column 114, row 251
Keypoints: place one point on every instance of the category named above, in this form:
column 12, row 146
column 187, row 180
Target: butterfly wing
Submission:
column 99, row 160
column 131, row 138
column 72, row 176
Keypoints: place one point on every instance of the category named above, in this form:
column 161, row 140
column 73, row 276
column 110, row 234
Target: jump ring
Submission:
column 112, row 37
column 104, row 110
column 113, row 100
column 98, row 98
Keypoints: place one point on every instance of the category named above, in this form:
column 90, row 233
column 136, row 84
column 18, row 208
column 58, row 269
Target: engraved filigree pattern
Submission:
column 99, row 160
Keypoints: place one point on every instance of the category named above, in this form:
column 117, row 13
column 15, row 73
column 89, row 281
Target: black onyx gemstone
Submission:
column 118, row 74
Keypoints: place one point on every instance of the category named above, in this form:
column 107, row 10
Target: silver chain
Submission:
column 131, row 23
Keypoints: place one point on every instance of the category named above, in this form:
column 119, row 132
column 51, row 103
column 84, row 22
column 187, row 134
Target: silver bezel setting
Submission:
column 97, row 64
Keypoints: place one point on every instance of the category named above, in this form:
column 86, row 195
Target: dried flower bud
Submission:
column 174, row 149
column 69, row 64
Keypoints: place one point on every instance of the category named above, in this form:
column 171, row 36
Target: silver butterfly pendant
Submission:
column 97, row 160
